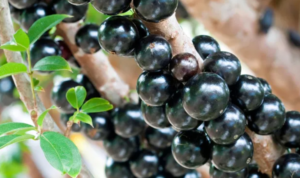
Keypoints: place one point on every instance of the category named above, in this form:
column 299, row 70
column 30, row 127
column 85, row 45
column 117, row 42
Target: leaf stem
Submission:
column 30, row 75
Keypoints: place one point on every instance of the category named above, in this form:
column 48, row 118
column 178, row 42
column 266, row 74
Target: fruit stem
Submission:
column 31, row 78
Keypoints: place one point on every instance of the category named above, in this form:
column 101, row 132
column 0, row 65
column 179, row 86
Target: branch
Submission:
column 269, row 56
column 22, row 80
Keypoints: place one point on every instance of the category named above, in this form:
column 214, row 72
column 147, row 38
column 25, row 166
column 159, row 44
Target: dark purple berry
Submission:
column 227, row 128
column 22, row 4
column 192, row 174
column 87, row 38
column 233, row 157
column 288, row 135
column 205, row 45
column 160, row 138
column 121, row 149
column 170, row 165
column 225, row 65
column 89, row 86
column 64, row 7
column 118, row 35
column 269, row 117
column 266, row 20
column 191, row 149
column 144, row 164
column 103, row 127
column 155, row 10
column 206, row 96
column 142, row 29
column 266, row 86
column 216, row 173
column 111, row 7
column 155, row 88
column 294, row 37
column 253, row 172
column 155, row 116
column 184, row 66
column 248, row 93
column 177, row 116
column 79, row 2
column 115, row 169
column 15, row 14
column 153, row 53
column 65, row 118
column 128, row 121
column 287, row 166
column 66, row 53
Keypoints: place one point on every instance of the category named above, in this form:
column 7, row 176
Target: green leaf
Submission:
column 39, row 27
column 43, row 115
column 84, row 118
column 61, row 153
column 21, row 38
column 10, row 139
column 76, row 96
column 52, row 63
column 95, row 105
column 11, row 68
column 12, row 127
column 39, row 89
column 12, row 46
column 35, row 82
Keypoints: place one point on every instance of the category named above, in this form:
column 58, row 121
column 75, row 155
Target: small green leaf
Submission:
column 39, row 27
column 11, row 68
column 12, row 127
column 84, row 118
column 12, row 46
column 43, row 115
column 11, row 139
column 39, row 89
column 21, row 38
column 52, row 63
column 76, row 96
column 35, row 82
column 61, row 153
column 95, row 105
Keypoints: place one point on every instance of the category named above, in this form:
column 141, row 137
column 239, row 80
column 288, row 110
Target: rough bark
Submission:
column 269, row 56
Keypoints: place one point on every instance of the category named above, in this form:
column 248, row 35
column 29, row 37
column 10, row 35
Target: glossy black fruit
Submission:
column 142, row 29
column 79, row 2
column 216, row 173
column 233, row 157
column 42, row 48
column 225, row 65
column 66, row 53
column 115, row 169
column 121, row 149
column 58, row 95
column 287, row 166
column 111, row 7
column 248, row 93
column 206, row 96
column 227, row 128
column 176, row 114
column 87, row 38
column 253, row 172
column 65, row 118
column 64, row 7
column 160, row 138
column 162, row 174
column 288, row 135
column 184, row 66
column 22, row 4
column 128, row 121
column 88, row 85
column 155, row 88
column 32, row 14
column 266, row 86
column 103, row 127
column 269, row 117
column 191, row 149
column 205, row 45
column 192, row 174
column 144, row 164
column 153, row 53
column 266, row 20
column 118, row 35
column 170, row 165
column 155, row 116
column 15, row 14
column 294, row 37
column 155, row 10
